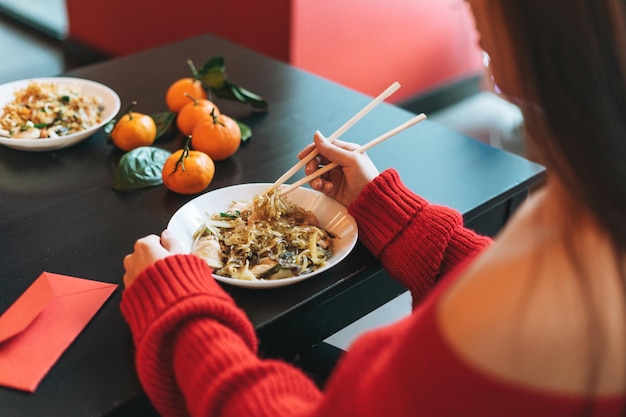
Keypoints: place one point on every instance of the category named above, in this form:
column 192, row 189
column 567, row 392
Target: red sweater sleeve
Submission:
column 417, row 242
column 196, row 351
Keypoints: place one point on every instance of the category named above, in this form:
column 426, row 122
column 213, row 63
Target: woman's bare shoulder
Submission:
column 520, row 312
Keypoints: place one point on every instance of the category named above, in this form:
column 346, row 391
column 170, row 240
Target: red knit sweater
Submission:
column 196, row 351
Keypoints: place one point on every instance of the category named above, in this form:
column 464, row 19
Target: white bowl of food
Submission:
column 330, row 215
column 44, row 114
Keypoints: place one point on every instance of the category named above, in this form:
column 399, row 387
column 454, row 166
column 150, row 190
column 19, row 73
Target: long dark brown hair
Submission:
column 571, row 61
column 571, row 56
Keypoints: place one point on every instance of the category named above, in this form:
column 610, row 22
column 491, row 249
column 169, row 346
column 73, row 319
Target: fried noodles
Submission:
column 48, row 110
column 272, row 239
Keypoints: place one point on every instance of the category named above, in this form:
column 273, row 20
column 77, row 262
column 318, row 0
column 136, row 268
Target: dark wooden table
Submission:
column 58, row 212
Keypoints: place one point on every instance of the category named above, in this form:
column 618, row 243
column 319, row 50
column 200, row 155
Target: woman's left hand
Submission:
column 147, row 251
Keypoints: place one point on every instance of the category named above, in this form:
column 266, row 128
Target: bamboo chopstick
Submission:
column 353, row 120
column 368, row 145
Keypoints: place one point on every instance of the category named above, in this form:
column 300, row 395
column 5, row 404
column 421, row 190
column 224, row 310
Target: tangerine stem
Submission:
column 194, row 70
column 216, row 118
column 129, row 110
column 190, row 97
column 196, row 77
column 185, row 154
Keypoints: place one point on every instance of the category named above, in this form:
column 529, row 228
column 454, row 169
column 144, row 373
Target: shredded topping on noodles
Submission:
column 272, row 239
column 48, row 110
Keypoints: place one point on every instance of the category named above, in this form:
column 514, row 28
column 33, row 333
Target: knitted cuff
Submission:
column 383, row 209
column 162, row 285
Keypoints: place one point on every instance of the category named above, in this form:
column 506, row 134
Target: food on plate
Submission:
column 219, row 136
column 133, row 130
column 49, row 110
column 272, row 238
column 187, row 171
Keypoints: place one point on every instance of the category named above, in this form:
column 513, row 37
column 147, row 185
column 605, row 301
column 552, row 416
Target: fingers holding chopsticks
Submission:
column 356, row 171
column 350, row 172
column 351, row 122
column 322, row 142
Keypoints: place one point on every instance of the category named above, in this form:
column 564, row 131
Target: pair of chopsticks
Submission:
column 361, row 149
column 353, row 120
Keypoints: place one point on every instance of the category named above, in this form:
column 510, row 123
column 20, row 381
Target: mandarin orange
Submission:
column 218, row 136
column 194, row 111
column 175, row 96
column 187, row 171
column 133, row 130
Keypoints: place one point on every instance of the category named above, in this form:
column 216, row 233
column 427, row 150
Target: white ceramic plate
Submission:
column 110, row 100
column 333, row 216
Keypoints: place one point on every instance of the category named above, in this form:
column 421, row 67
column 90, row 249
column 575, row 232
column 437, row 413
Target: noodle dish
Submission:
column 52, row 113
column 263, row 240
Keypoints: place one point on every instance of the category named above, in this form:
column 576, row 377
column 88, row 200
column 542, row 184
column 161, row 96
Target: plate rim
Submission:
column 61, row 142
column 281, row 282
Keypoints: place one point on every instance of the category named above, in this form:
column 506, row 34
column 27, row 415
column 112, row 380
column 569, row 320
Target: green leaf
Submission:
column 214, row 77
column 254, row 99
column 213, row 73
column 163, row 121
column 108, row 128
column 231, row 91
column 140, row 168
column 246, row 132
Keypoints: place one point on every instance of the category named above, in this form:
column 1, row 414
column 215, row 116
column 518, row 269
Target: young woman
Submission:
column 533, row 323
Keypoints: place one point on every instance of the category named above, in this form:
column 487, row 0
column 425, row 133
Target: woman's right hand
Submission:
column 345, row 182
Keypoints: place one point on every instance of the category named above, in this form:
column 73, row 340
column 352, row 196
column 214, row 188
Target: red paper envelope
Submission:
column 42, row 323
